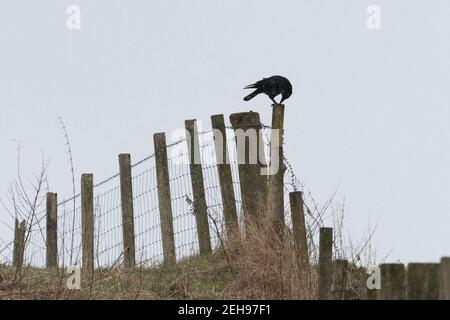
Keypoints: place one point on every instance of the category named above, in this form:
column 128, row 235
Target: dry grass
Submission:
column 267, row 267
column 193, row 278
column 255, row 264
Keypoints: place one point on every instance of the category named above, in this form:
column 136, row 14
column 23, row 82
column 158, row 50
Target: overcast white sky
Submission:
column 370, row 109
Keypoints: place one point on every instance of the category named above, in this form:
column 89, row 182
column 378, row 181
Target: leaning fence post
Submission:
column 126, row 195
column 51, row 228
column 422, row 281
column 325, row 263
column 224, row 172
column 198, row 188
column 444, row 279
column 165, row 205
column 87, row 222
column 250, row 157
column 392, row 282
column 276, row 175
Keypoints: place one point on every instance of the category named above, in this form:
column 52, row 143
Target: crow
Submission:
column 272, row 87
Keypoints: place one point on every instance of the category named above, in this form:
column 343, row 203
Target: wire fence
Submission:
column 148, row 241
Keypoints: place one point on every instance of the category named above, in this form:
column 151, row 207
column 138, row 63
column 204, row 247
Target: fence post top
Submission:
column 159, row 135
column 245, row 119
column 421, row 264
column 190, row 124
column 392, row 265
column 217, row 117
column 218, row 121
column 124, row 155
column 87, row 175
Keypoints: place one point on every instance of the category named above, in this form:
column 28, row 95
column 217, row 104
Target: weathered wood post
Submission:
column 340, row 279
column 19, row 243
column 198, row 188
column 392, row 282
column 126, row 195
column 422, row 281
column 165, row 205
column 325, row 263
column 444, row 279
column 299, row 228
column 276, row 172
column 16, row 242
column 224, row 172
column 253, row 184
column 363, row 277
column 87, row 222
column 52, row 230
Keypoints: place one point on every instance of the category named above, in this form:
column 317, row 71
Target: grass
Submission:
column 193, row 278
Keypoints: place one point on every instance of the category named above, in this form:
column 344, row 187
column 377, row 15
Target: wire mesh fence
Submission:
column 148, row 239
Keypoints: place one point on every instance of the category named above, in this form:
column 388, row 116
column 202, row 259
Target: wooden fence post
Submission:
column 198, row 188
column 325, row 263
column 247, row 128
column 275, row 190
column 16, row 242
column 224, row 172
column 340, row 279
column 19, row 244
column 126, row 195
column 422, row 281
column 392, row 282
column 299, row 228
column 87, row 222
column 360, row 276
column 52, row 230
column 165, row 205
column 444, row 279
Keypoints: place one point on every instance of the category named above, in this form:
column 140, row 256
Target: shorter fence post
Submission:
column 87, row 222
column 325, row 263
column 52, row 230
column 16, row 242
column 165, row 205
column 299, row 229
column 340, row 279
column 224, row 172
column 392, row 282
column 361, row 277
column 126, row 196
column 19, row 244
column 444, row 279
column 422, row 281
column 198, row 188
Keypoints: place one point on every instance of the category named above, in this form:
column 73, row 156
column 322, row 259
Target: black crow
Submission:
column 272, row 87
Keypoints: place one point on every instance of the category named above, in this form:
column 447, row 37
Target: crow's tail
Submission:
column 252, row 95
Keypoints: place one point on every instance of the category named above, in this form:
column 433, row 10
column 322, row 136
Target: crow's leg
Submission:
column 273, row 100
